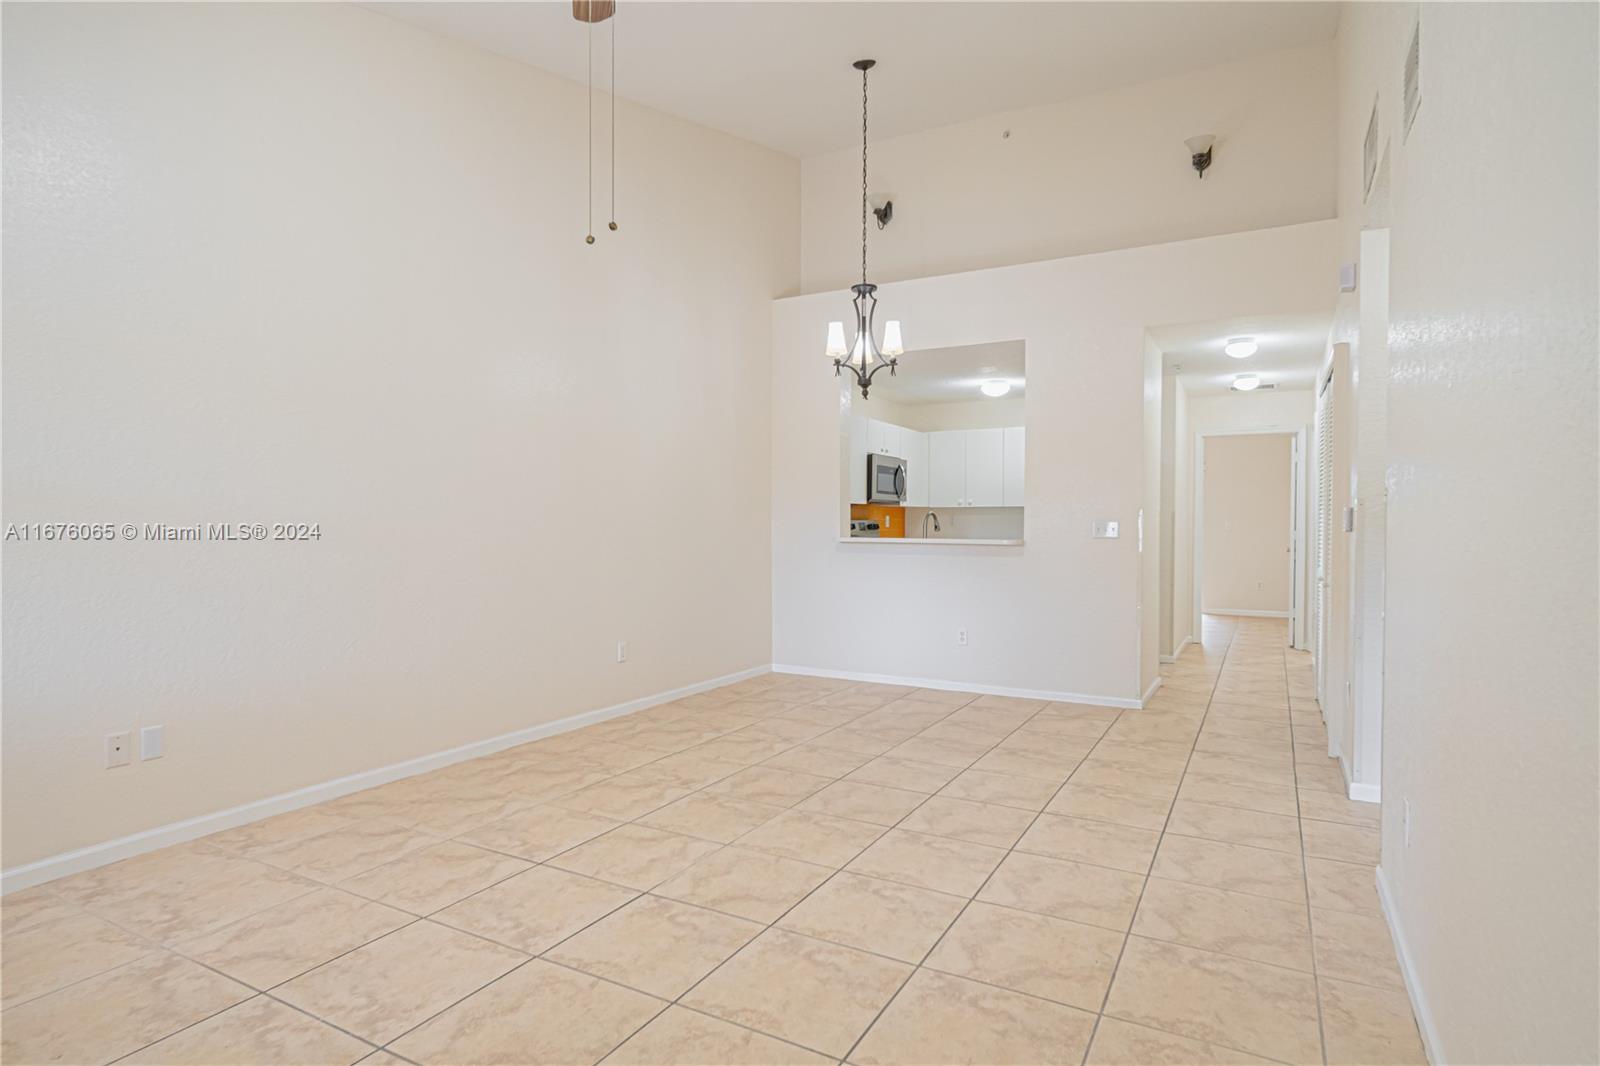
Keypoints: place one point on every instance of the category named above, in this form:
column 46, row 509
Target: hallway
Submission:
column 907, row 874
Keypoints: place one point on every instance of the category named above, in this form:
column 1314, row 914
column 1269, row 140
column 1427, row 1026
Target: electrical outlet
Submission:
column 119, row 749
column 152, row 742
column 961, row 637
column 1405, row 818
column 622, row 651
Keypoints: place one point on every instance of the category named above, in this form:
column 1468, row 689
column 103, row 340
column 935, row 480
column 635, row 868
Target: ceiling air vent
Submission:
column 1412, row 83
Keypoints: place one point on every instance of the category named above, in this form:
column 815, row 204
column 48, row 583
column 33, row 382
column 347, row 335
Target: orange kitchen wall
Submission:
column 891, row 520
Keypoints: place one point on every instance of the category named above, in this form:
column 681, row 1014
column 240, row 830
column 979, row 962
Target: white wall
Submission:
column 1089, row 174
column 997, row 413
column 1491, row 686
column 1057, row 614
column 1247, row 524
column 304, row 262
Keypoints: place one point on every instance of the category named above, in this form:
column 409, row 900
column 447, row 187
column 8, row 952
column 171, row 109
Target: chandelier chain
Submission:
column 863, row 177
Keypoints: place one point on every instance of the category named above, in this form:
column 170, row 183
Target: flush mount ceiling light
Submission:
column 1200, row 151
column 864, row 358
column 1246, row 383
column 1240, row 347
column 995, row 388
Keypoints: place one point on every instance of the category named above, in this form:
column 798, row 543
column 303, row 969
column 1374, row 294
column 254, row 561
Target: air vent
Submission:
column 1413, row 83
column 1265, row 386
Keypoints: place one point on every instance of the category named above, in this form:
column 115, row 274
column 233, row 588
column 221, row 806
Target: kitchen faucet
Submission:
column 925, row 518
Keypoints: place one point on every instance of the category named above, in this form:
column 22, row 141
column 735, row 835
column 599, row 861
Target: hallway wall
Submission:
column 1247, row 525
column 1490, row 739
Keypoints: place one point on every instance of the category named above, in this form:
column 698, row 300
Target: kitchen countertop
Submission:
column 931, row 540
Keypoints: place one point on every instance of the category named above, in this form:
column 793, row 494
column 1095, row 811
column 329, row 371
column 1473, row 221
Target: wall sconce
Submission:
column 1200, row 152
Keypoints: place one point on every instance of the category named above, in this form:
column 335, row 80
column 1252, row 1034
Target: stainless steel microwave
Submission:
column 886, row 479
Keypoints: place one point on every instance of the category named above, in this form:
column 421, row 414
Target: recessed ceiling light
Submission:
column 995, row 388
column 1246, row 383
column 1240, row 347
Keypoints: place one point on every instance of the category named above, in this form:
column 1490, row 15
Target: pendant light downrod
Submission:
column 865, row 358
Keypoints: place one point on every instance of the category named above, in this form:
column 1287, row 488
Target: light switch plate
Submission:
column 1106, row 530
column 152, row 742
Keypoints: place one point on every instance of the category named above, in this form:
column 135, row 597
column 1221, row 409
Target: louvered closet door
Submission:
column 1324, row 522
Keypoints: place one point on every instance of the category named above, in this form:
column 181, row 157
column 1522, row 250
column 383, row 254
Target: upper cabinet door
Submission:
column 883, row 438
column 1015, row 443
column 915, row 447
column 985, row 467
column 947, row 468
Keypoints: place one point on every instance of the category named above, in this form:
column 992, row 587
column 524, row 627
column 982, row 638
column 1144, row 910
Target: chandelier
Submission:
column 864, row 358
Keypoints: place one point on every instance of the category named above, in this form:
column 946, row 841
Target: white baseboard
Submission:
column 1178, row 651
column 958, row 686
column 1245, row 614
column 1408, row 971
column 1363, row 793
column 71, row 862
column 1151, row 691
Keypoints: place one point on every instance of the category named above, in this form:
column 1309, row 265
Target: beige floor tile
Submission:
column 259, row 1030
column 59, row 952
column 115, row 1013
column 28, row 907
column 1006, row 790
column 538, row 833
column 857, row 741
column 932, row 862
column 1050, row 957
column 384, row 988
column 1327, row 807
column 1110, row 803
column 343, row 853
column 819, row 759
column 434, row 877
column 904, row 773
column 1234, row 867
column 1250, row 927
column 1270, row 799
column 281, row 942
column 536, row 909
column 746, row 882
column 1342, row 886
column 682, row 1037
column 884, row 917
column 540, row 1014
column 214, row 892
column 1045, row 767
column 711, row 816
column 656, row 945
column 1120, row 1043
column 938, row 1018
column 1121, row 847
column 1355, row 947
column 768, row 784
column 877, row 804
column 1320, row 776
column 1343, row 843
column 958, row 754
column 279, row 830
column 977, row 823
column 634, row 855
column 1367, row 1026
column 622, row 798
column 814, row 838
column 1265, row 1010
column 1155, row 786
column 821, row 996
column 1075, row 891
column 1235, row 825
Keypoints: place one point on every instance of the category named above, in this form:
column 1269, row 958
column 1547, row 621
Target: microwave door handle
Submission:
column 900, row 482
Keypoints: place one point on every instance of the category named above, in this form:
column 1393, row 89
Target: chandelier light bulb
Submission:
column 1240, row 347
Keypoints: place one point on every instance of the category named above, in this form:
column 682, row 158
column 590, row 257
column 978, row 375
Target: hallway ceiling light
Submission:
column 864, row 358
column 1200, row 151
column 995, row 388
column 1240, row 347
column 1246, row 383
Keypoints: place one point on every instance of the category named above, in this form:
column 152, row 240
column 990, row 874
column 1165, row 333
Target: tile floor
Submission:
column 785, row 870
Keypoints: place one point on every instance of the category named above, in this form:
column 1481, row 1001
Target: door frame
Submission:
column 1299, row 434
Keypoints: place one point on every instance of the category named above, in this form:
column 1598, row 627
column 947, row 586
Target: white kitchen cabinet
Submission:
column 915, row 452
column 985, row 468
column 1015, row 445
column 884, row 438
column 947, row 468
column 857, row 475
